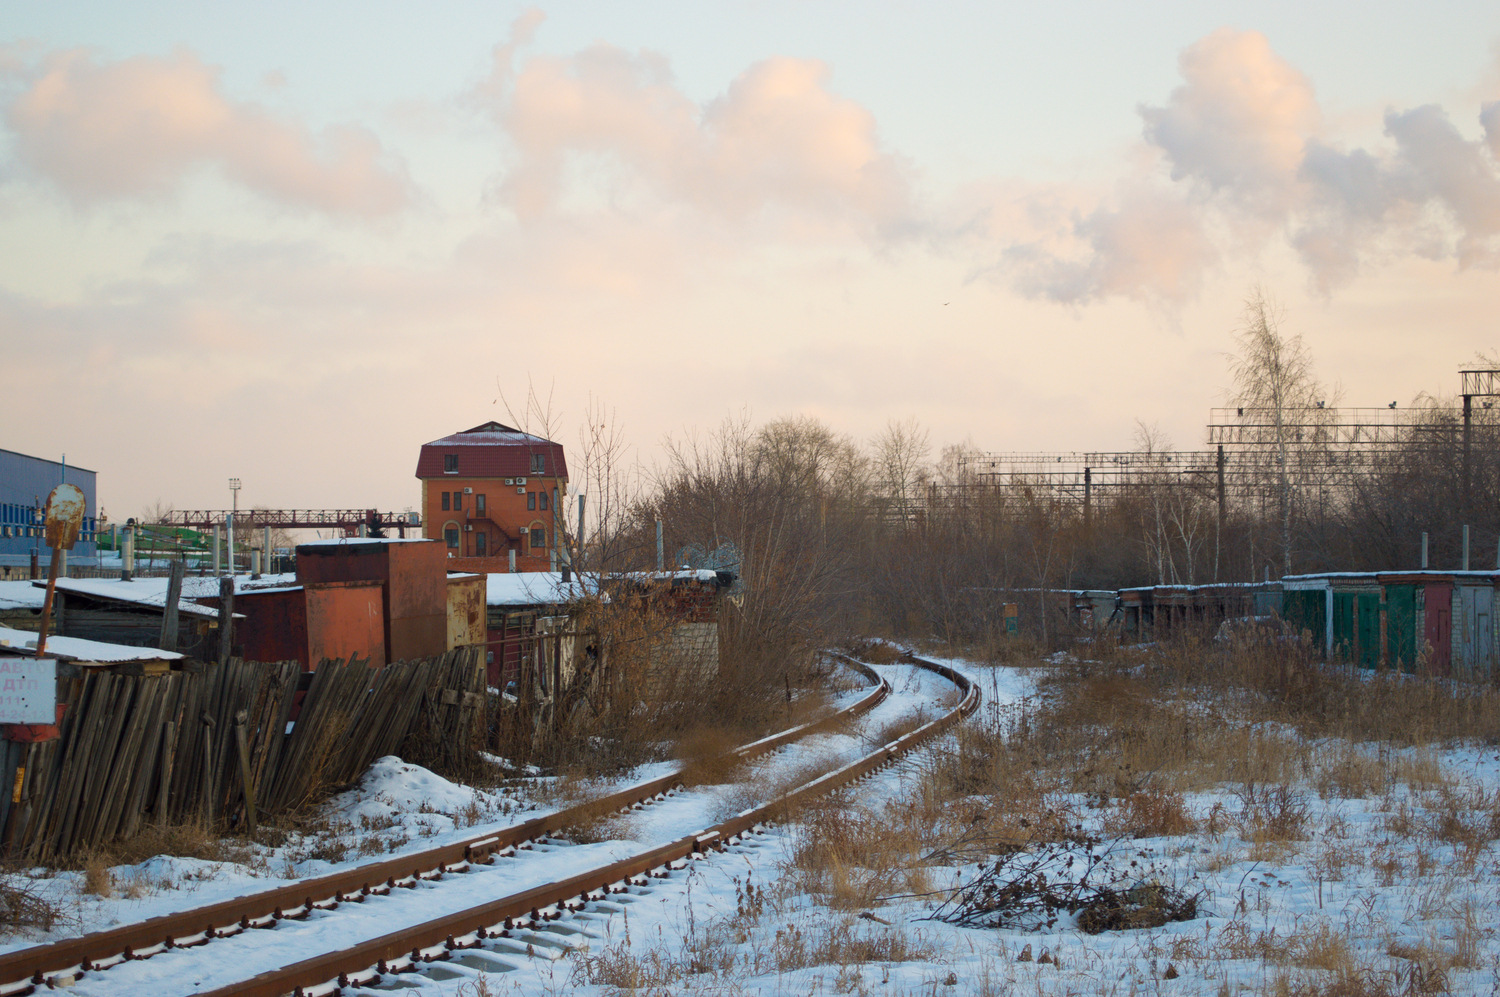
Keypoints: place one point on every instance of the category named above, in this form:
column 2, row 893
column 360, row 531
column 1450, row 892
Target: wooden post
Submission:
column 205, row 802
column 244, row 750
column 168, row 641
column 557, row 683
column 164, row 786
column 226, row 618
column 20, row 801
column 41, row 642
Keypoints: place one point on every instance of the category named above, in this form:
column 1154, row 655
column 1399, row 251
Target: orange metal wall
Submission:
column 345, row 618
column 415, row 604
column 417, row 600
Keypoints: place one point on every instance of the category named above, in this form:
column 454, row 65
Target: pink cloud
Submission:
column 779, row 141
column 137, row 126
column 1240, row 121
column 1150, row 245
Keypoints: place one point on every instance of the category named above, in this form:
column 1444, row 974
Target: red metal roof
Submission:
column 492, row 450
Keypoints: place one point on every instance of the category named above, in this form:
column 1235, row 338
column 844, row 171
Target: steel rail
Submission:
column 24, row 969
column 407, row 948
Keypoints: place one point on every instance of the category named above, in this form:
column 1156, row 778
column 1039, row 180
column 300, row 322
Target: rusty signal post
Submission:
column 65, row 508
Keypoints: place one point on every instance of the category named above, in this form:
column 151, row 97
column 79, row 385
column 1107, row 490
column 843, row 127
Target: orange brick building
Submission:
column 491, row 491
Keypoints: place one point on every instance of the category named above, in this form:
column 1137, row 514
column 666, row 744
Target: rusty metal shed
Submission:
column 413, row 577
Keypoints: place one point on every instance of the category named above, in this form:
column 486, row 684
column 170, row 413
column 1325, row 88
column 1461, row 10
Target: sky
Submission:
column 290, row 243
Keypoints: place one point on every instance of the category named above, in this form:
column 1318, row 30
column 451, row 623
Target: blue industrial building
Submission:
column 25, row 483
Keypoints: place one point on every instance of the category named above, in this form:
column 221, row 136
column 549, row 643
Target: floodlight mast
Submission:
column 234, row 491
column 1485, row 383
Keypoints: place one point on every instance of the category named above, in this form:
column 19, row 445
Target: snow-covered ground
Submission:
column 398, row 808
column 1388, row 892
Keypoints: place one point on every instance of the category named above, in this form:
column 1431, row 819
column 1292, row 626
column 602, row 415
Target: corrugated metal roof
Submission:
column 492, row 450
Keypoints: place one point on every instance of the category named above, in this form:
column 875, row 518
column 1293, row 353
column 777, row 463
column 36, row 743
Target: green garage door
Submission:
column 1401, row 626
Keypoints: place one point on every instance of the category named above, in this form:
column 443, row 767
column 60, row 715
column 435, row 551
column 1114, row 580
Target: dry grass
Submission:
column 98, row 880
column 621, row 970
column 767, row 786
column 1150, row 813
column 844, row 943
column 1283, row 683
column 189, row 840
column 876, row 652
column 850, row 857
column 706, row 756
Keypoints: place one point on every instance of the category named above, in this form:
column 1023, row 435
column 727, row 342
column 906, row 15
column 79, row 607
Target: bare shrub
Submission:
column 1102, row 888
column 23, row 908
column 1271, row 813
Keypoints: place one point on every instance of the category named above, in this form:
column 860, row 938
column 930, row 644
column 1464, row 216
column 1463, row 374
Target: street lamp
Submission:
column 234, row 491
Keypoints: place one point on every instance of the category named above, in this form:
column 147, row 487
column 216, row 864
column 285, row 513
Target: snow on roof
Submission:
column 489, row 434
column 21, row 595
column 78, row 649
column 534, row 588
column 683, row 575
column 207, row 586
column 149, row 592
column 1478, row 574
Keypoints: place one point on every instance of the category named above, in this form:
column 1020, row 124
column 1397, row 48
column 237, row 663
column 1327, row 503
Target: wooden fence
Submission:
column 186, row 745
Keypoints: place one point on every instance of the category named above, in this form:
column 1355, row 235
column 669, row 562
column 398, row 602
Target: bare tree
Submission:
column 1273, row 375
column 901, row 466
column 157, row 512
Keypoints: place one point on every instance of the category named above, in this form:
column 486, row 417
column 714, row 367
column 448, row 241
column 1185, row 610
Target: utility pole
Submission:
column 581, row 497
column 1088, row 497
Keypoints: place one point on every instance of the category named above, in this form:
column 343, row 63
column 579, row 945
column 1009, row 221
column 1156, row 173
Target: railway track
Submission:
column 494, row 923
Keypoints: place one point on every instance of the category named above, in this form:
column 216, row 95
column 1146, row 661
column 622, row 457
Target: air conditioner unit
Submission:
column 520, row 481
column 468, row 491
column 510, row 481
column 468, row 527
column 520, row 491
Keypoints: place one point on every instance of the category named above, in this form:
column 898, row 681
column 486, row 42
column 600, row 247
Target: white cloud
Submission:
column 1243, row 152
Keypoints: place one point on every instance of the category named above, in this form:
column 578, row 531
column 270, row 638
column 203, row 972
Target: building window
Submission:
column 450, row 535
column 479, row 545
column 445, row 502
column 450, row 463
column 538, row 538
column 542, row 502
column 479, row 504
column 530, row 501
column 458, row 501
column 538, row 463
